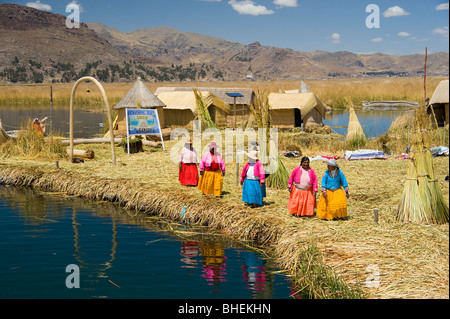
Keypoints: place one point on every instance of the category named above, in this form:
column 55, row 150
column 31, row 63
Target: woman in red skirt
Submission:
column 188, row 173
column 303, row 187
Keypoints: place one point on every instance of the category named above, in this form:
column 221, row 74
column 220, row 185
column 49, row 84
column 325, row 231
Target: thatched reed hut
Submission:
column 439, row 103
column 181, row 108
column 139, row 97
column 239, row 114
column 295, row 109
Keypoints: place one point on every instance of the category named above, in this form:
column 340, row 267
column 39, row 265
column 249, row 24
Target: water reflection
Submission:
column 211, row 258
column 254, row 272
column 120, row 256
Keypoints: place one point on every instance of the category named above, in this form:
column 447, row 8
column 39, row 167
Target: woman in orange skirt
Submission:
column 333, row 201
column 303, row 187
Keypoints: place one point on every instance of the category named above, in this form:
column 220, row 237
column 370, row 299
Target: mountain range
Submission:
column 38, row 47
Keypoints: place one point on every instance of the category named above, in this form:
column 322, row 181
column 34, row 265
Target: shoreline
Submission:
column 344, row 249
column 241, row 225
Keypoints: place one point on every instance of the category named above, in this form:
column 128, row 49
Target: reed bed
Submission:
column 332, row 92
column 412, row 258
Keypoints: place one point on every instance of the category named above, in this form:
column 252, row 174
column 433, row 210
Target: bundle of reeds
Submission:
column 422, row 199
column 30, row 143
column 202, row 111
column 260, row 108
column 355, row 136
column 280, row 178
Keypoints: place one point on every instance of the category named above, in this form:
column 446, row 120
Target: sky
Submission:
column 396, row 27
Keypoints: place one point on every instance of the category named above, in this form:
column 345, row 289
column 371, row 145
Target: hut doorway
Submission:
column 212, row 113
column 297, row 118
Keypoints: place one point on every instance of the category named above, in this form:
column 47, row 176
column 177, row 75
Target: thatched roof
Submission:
column 185, row 100
column 440, row 94
column 219, row 92
column 305, row 102
column 139, row 96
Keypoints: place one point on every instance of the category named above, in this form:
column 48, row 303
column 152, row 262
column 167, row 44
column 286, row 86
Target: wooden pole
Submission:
column 237, row 156
column 425, row 88
column 234, row 111
column 51, row 114
column 425, row 76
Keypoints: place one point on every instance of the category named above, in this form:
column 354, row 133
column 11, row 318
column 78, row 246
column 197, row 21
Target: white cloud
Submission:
column 441, row 31
column 336, row 37
column 403, row 34
column 40, row 6
column 377, row 40
column 286, row 3
column 249, row 7
column 442, row 6
column 74, row 3
column 395, row 11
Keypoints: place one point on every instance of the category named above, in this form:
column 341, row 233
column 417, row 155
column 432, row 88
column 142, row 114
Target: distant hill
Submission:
column 36, row 46
column 27, row 34
column 236, row 60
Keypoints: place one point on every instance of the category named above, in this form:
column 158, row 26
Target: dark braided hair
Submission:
column 304, row 159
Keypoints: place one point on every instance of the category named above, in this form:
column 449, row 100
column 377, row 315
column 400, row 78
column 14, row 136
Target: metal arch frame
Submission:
column 108, row 111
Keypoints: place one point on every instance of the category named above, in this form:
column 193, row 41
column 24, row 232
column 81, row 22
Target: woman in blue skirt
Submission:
column 253, row 181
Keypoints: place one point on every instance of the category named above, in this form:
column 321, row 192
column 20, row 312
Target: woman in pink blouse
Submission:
column 188, row 161
column 212, row 171
column 303, row 187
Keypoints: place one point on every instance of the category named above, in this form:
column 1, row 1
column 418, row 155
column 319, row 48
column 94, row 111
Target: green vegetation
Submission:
column 316, row 280
column 65, row 72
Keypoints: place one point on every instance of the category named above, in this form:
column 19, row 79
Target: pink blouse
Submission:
column 188, row 156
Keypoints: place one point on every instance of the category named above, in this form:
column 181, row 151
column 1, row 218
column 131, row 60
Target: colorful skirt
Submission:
column 334, row 206
column 302, row 202
column 211, row 182
column 252, row 192
column 188, row 175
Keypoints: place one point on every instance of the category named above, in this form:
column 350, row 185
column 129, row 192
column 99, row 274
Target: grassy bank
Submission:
column 326, row 258
column 332, row 92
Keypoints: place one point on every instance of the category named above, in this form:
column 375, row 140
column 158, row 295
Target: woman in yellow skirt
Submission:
column 333, row 200
column 212, row 171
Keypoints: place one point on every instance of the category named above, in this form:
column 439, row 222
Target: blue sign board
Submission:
column 143, row 122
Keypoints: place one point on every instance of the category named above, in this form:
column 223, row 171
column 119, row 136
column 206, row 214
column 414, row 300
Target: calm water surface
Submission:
column 374, row 123
column 86, row 122
column 120, row 256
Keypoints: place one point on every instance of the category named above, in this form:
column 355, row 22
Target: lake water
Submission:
column 120, row 256
column 374, row 123
column 87, row 123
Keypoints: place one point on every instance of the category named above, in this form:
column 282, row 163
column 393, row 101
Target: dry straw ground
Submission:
column 412, row 259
